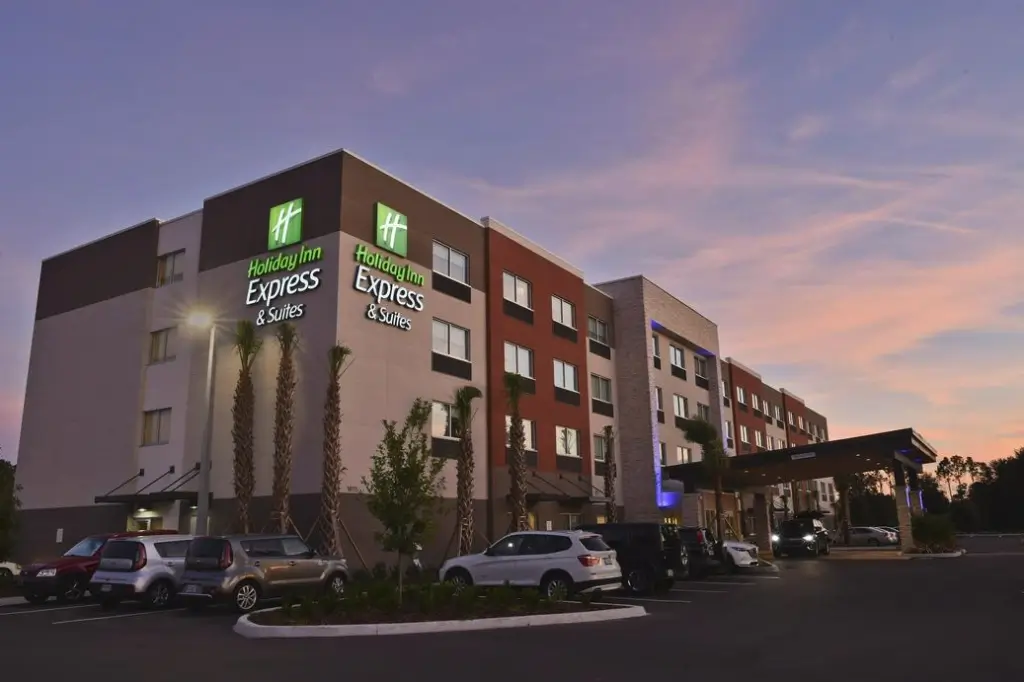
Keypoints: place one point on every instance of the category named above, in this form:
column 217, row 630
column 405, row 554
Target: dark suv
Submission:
column 700, row 548
column 650, row 554
column 67, row 577
column 801, row 536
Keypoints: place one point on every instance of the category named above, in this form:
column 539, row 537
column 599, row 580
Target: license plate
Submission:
column 106, row 588
column 191, row 589
column 670, row 573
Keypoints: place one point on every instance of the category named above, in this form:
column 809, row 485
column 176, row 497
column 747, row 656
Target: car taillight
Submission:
column 226, row 557
column 588, row 560
column 700, row 536
column 140, row 557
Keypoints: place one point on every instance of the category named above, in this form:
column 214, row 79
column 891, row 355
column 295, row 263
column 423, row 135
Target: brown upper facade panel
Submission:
column 120, row 264
column 235, row 223
column 601, row 306
column 428, row 220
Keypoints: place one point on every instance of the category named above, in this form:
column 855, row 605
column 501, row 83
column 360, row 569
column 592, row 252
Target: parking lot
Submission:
column 817, row 619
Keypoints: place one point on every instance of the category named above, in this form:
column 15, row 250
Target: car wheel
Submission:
column 556, row 584
column 459, row 577
column 159, row 595
column 335, row 584
column 72, row 590
column 639, row 581
column 246, row 596
column 730, row 563
column 828, row 549
column 6, row 573
column 36, row 599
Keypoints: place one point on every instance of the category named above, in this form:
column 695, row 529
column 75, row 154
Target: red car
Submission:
column 67, row 578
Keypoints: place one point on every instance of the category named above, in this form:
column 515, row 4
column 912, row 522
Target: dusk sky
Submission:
column 838, row 185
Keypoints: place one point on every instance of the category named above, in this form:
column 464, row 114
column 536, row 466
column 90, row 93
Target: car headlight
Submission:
column 808, row 538
column 775, row 538
column 47, row 573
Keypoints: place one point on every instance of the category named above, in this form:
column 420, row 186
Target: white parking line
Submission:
column 680, row 589
column 652, row 599
column 119, row 615
column 25, row 612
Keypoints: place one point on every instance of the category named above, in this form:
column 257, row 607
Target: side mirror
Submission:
column 488, row 552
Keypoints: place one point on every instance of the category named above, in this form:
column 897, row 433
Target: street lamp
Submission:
column 201, row 319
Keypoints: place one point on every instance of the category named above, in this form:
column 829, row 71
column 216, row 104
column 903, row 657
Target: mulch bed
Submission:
column 410, row 614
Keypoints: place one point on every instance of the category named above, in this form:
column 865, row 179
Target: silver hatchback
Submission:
column 244, row 569
column 146, row 569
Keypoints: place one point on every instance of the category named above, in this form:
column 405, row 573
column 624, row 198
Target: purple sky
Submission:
column 838, row 185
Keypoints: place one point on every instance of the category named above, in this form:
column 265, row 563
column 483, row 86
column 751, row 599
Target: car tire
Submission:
column 639, row 581
column 828, row 549
column 36, row 599
column 554, row 582
column 6, row 573
column 72, row 590
column 246, row 596
column 730, row 563
column 335, row 584
column 459, row 577
column 159, row 595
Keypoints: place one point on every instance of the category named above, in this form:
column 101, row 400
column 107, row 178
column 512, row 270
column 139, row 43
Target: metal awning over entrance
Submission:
column 818, row 460
column 150, row 494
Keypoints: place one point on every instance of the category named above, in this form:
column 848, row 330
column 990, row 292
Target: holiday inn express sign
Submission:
column 392, row 235
column 284, row 273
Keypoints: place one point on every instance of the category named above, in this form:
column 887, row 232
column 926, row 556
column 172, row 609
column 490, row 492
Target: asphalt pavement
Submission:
column 817, row 620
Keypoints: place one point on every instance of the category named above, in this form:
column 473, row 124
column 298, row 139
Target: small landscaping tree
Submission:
column 404, row 486
column 9, row 505
column 715, row 461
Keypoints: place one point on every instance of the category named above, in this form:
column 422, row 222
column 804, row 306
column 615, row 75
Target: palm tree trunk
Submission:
column 243, row 416
column 284, row 422
column 610, row 474
column 330, row 486
column 517, row 473
column 718, row 514
column 464, row 475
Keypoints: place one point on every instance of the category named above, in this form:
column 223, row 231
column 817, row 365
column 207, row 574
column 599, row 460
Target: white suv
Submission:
column 556, row 562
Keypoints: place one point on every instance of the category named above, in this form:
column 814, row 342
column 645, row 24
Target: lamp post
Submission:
column 204, row 320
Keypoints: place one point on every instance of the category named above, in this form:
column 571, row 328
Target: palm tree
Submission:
column 243, row 416
column 330, row 485
column 464, row 398
column 610, row 473
column 843, row 482
column 716, row 463
column 284, row 425
column 517, row 454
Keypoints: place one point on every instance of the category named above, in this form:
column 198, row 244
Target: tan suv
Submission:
column 244, row 569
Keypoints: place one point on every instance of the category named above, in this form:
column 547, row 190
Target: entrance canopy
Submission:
column 818, row 460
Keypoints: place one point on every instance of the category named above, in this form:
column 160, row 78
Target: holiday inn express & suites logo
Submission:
column 285, row 225
column 392, row 230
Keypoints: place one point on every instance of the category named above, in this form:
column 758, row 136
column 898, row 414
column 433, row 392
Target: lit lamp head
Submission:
column 200, row 319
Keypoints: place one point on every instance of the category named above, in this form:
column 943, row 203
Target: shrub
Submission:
column 502, row 597
column 934, row 532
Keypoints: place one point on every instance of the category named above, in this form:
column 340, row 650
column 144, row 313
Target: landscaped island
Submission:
column 380, row 603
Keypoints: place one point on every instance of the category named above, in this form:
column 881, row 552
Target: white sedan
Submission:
column 739, row 554
column 555, row 562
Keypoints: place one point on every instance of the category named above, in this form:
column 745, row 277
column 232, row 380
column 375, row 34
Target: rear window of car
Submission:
column 595, row 543
column 120, row 549
column 172, row 550
column 206, row 548
column 794, row 526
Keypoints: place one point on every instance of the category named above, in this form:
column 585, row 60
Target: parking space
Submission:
column 901, row 610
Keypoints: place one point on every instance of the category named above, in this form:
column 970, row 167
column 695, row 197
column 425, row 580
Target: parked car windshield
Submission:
column 796, row 527
column 123, row 549
column 86, row 547
column 594, row 543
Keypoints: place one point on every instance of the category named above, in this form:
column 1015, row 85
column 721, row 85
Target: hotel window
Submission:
column 597, row 330
column 567, row 441
column 741, row 395
column 684, row 455
column 681, row 406
column 156, row 427
column 728, row 429
column 663, row 454
column 517, row 290
column 703, row 412
column 824, row 436
column 770, row 442
column 800, row 422
column 600, row 388
column 676, row 357
column 758, row 439
column 518, row 360
column 831, row 492
column 743, row 434
column 600, row 448
column 451, row 340
column 161, row 345
column 529, row 433
column 657, row 399
column 451, row 263
column 170, row 268
column 563, row 312
column 814, row 430
column 790, row 418
column 778, row 413
column 443, row 421
column 700, row 366
column 565, row 376
column 755, row 402
column 656, row 345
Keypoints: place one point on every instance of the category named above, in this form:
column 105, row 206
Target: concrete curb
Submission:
column 246, row 628
column 12, row 601
column 943, row 555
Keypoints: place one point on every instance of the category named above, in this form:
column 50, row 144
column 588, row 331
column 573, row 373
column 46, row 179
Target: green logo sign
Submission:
column 392, row 230
column 285, row 225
